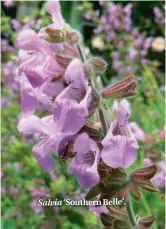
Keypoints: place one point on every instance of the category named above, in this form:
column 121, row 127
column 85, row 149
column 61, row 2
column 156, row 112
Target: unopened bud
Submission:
column 93, row 132
column 72, row 37
column 146, row 222
column 63, row 60
column 55, row 35
column 134, row 191
column 123, row 193
column 124, row 88
column 141, row 177
column 99, row 64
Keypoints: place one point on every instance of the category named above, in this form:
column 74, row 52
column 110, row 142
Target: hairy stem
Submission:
column 81, row 53
column 130, row 212
column 102, row 120
column 100, row 109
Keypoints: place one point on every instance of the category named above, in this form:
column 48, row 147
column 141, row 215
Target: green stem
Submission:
column 102, row 120
column 130, row 212
column 81, row 53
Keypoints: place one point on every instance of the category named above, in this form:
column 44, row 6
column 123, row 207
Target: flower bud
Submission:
column 92, row 131
column 124, row 88
column 64, row 61
column 141, row 177
column 99, row 65
column 146, row 222
column 118, row 212
column 123, row 193
column 134, row 191
column 55, row 35
column 117, row 218
column 153, row 153
column 72, row 37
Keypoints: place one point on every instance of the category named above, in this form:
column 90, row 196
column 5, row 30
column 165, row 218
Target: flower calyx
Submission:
column 124, row 88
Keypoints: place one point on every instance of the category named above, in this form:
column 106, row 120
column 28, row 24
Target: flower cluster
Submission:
column 10, row 79
column 53, row 71
column 115, row 28
column 159, row 17
column 38, row 193
column 55, row 77
column 8, row 3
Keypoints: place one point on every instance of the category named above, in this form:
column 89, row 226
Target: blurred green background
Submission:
column 23, row 181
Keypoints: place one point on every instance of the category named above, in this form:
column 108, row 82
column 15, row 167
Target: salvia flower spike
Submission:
column 53, row 71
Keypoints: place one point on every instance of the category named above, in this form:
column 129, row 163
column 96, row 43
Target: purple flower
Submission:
column 157, row 12
column 40, row 192
column 56, row 209
column 135, row 32
column 159, row 179
column 120, row 145
column 16, row 24
column 54, row 138
column 128, row 9
column 5, row 102
column 98, row 30
column 11, row 80
column 161, row 164
column 88, row 15
column 8, row 3
column 30, row 97
column 148, row 162
column 139, row 42
column 84, row 164
column 132, row 54
column 29, row 102
column 70, row 110
column 53, row 8
column 39, row 63
column 148, row 42
column 37, row 194
column 4, row 45
column 97, row 210
column 137, row 131
column 127, row 23
column 37, row 208
column 45, row 126
column 71, row 106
